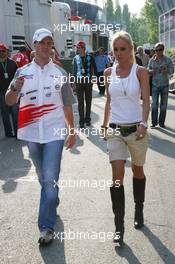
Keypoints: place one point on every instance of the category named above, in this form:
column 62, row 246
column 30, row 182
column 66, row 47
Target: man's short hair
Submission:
column 102, row 48
column 160, row 44
column 140, row 47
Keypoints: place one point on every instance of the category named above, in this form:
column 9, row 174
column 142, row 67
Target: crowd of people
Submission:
column 35, row 94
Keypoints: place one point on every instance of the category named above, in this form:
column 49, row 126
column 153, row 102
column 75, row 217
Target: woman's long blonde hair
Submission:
column 127, row 37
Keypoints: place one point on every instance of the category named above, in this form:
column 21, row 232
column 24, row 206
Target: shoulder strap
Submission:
column 113, row 73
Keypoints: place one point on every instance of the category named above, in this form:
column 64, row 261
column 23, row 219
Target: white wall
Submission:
column 11, row 23
column 36, row 15
column 60, row 14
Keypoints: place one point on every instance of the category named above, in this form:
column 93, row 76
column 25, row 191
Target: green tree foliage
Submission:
column 133, row 29
column 109, row 11
column 170, row 53
column 138, row 30
column 142, row 32
column 126, row 17
column 141, row 28
column 118, row 15
column 151, row 18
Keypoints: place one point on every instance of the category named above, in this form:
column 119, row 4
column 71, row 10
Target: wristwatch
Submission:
column 144, row 124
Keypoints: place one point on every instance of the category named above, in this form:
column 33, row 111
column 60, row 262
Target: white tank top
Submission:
column 125, row 98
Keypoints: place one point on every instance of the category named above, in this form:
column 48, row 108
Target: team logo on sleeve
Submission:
column 48, row 94
column 57, row 87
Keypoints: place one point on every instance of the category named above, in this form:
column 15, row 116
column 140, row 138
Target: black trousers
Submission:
column 100, row 82
column 6, row 111
column 84, row 93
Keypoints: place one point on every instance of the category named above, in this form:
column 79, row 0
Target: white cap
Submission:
column 41, row 33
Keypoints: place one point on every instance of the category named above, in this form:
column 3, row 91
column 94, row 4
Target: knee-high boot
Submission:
column 139, row 198
column 118, row 206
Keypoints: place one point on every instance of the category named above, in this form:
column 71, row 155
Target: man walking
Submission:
column 45, row 105
column 102, row 62
column 7, row 70
column 160, row 67
column 142, row 56
column 84, row 67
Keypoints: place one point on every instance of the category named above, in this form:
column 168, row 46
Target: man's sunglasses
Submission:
column 157, row 50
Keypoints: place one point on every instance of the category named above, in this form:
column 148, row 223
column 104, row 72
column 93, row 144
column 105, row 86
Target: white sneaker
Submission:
column 46, row 237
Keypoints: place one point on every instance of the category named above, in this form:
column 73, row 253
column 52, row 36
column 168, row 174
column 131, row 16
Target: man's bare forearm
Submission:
column 68, row 113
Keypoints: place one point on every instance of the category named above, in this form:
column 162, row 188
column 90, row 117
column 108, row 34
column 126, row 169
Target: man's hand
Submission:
column 70, row 141
column 164, row 70
column 153, row 72
column 18, row 83
column 13, row 91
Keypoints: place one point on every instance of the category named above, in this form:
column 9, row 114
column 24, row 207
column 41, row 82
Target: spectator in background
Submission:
column 152, row 53
column 160, row 67
column 142, row 56
column 56, row 61
column 138, row 60
column 147, row 52
column 32, row 55
column 92, row 53
column 7, row 71
column 84, row 68
column 111, row 58
column 102, row 62
column 21, row 57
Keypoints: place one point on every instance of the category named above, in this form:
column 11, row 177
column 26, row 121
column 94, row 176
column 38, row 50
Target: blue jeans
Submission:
column 163, row 92
column 47, row 160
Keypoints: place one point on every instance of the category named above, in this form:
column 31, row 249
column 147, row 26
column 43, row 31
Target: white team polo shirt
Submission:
column 41, row 115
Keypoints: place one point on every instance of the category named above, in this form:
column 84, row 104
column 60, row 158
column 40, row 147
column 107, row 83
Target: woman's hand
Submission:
column 103, row 132
column 141, row 132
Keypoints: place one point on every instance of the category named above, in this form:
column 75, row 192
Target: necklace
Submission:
column 124, row 87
